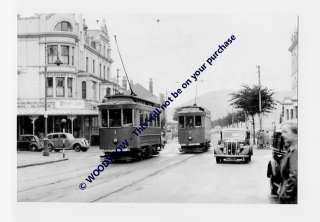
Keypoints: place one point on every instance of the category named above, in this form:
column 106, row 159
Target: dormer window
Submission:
column 63, row 26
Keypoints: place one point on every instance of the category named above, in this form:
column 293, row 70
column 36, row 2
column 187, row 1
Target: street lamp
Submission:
column 58, row 63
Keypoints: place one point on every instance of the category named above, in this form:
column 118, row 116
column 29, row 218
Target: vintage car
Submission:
column 234, row 143
column 273, row 169
column 59, row 141
column 29, row 142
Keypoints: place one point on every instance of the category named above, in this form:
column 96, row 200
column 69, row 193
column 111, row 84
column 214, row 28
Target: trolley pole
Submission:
column 259, row 82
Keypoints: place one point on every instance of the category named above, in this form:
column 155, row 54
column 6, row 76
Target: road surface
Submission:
column 169, row 177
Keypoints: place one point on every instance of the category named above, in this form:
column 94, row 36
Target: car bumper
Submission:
column 232, row 156
column 190, row 144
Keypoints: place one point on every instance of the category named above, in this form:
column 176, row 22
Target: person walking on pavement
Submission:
column 289, row 165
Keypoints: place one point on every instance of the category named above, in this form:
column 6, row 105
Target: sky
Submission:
column 169, row 48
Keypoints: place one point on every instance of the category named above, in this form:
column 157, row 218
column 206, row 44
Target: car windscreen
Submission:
column 234, row 135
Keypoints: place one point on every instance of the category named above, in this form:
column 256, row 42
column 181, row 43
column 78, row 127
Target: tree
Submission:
column 247, row 99
column 230, row 118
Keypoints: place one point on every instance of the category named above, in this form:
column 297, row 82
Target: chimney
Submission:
column 151, row 86
column 124, row 82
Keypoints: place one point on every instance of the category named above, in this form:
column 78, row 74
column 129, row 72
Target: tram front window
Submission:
column 104, row 118
column 115, row 117
column 189, row 121
column 127, row 117
column 181, row 121
column 198, row 121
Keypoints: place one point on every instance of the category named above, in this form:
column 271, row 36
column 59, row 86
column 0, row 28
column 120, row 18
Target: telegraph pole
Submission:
column 259, row 82
column 45, row 141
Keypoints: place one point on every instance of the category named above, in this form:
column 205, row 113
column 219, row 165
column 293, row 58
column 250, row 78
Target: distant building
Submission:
column 290, row 104
column 75, row 87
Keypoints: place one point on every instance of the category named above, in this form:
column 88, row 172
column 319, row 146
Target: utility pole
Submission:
column 259, row 82
column 45, row 141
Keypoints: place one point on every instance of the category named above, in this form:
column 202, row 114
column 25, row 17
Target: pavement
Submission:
column 28, row 159
column 168, row 177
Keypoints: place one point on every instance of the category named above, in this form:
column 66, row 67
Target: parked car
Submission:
column 234, row 143
column 273, row 169
column 59, row 141
column 29, row 142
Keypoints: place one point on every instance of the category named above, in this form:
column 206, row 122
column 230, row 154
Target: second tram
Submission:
column 194, row 127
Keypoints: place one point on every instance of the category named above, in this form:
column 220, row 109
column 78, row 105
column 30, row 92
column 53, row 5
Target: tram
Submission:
column 194, row 126
column 119, row 115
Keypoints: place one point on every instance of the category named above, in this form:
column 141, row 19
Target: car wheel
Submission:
column 50, row 147
column 218, row 160
column 77, row 148
column 33, row 148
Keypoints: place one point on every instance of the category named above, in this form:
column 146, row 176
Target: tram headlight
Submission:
column 189, row 138
column 115, row 141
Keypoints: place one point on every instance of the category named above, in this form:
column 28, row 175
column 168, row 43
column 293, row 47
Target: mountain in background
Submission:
column 218, row 102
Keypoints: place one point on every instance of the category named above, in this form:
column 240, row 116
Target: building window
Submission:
column 94, row 90
column 52, row 54
column 65, row 54
column 84, row 90
column 72, row 56
column 108, row 91
column 100, row 72
column 108, row 73
column 60, row 87
column 69, row 84
column 93, row 65
column 63, row 26
column 296, row 108
column 291, row 113
column 104, row 72
column 93, row 44
column 104, row 50
column 87, row 64
column 287, row 114
column 49, row 86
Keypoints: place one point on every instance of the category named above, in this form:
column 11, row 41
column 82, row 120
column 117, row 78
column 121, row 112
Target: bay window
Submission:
column 69, row 85
column 49, row 86
column 65, row 54
column 60, row 86
column 52, row 54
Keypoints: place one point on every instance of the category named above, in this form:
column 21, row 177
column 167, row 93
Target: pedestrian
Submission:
column 289, row 165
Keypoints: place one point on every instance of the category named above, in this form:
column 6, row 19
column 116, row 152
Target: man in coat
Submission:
column 289, row 165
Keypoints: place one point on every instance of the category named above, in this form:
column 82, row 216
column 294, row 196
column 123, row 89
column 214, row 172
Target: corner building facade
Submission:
column 75, row 87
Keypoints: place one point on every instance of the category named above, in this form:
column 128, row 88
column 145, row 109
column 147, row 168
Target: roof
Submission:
column 143, row 93
column 40, row 112
column 192, row 109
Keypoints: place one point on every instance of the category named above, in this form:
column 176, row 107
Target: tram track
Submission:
column 154, row 173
